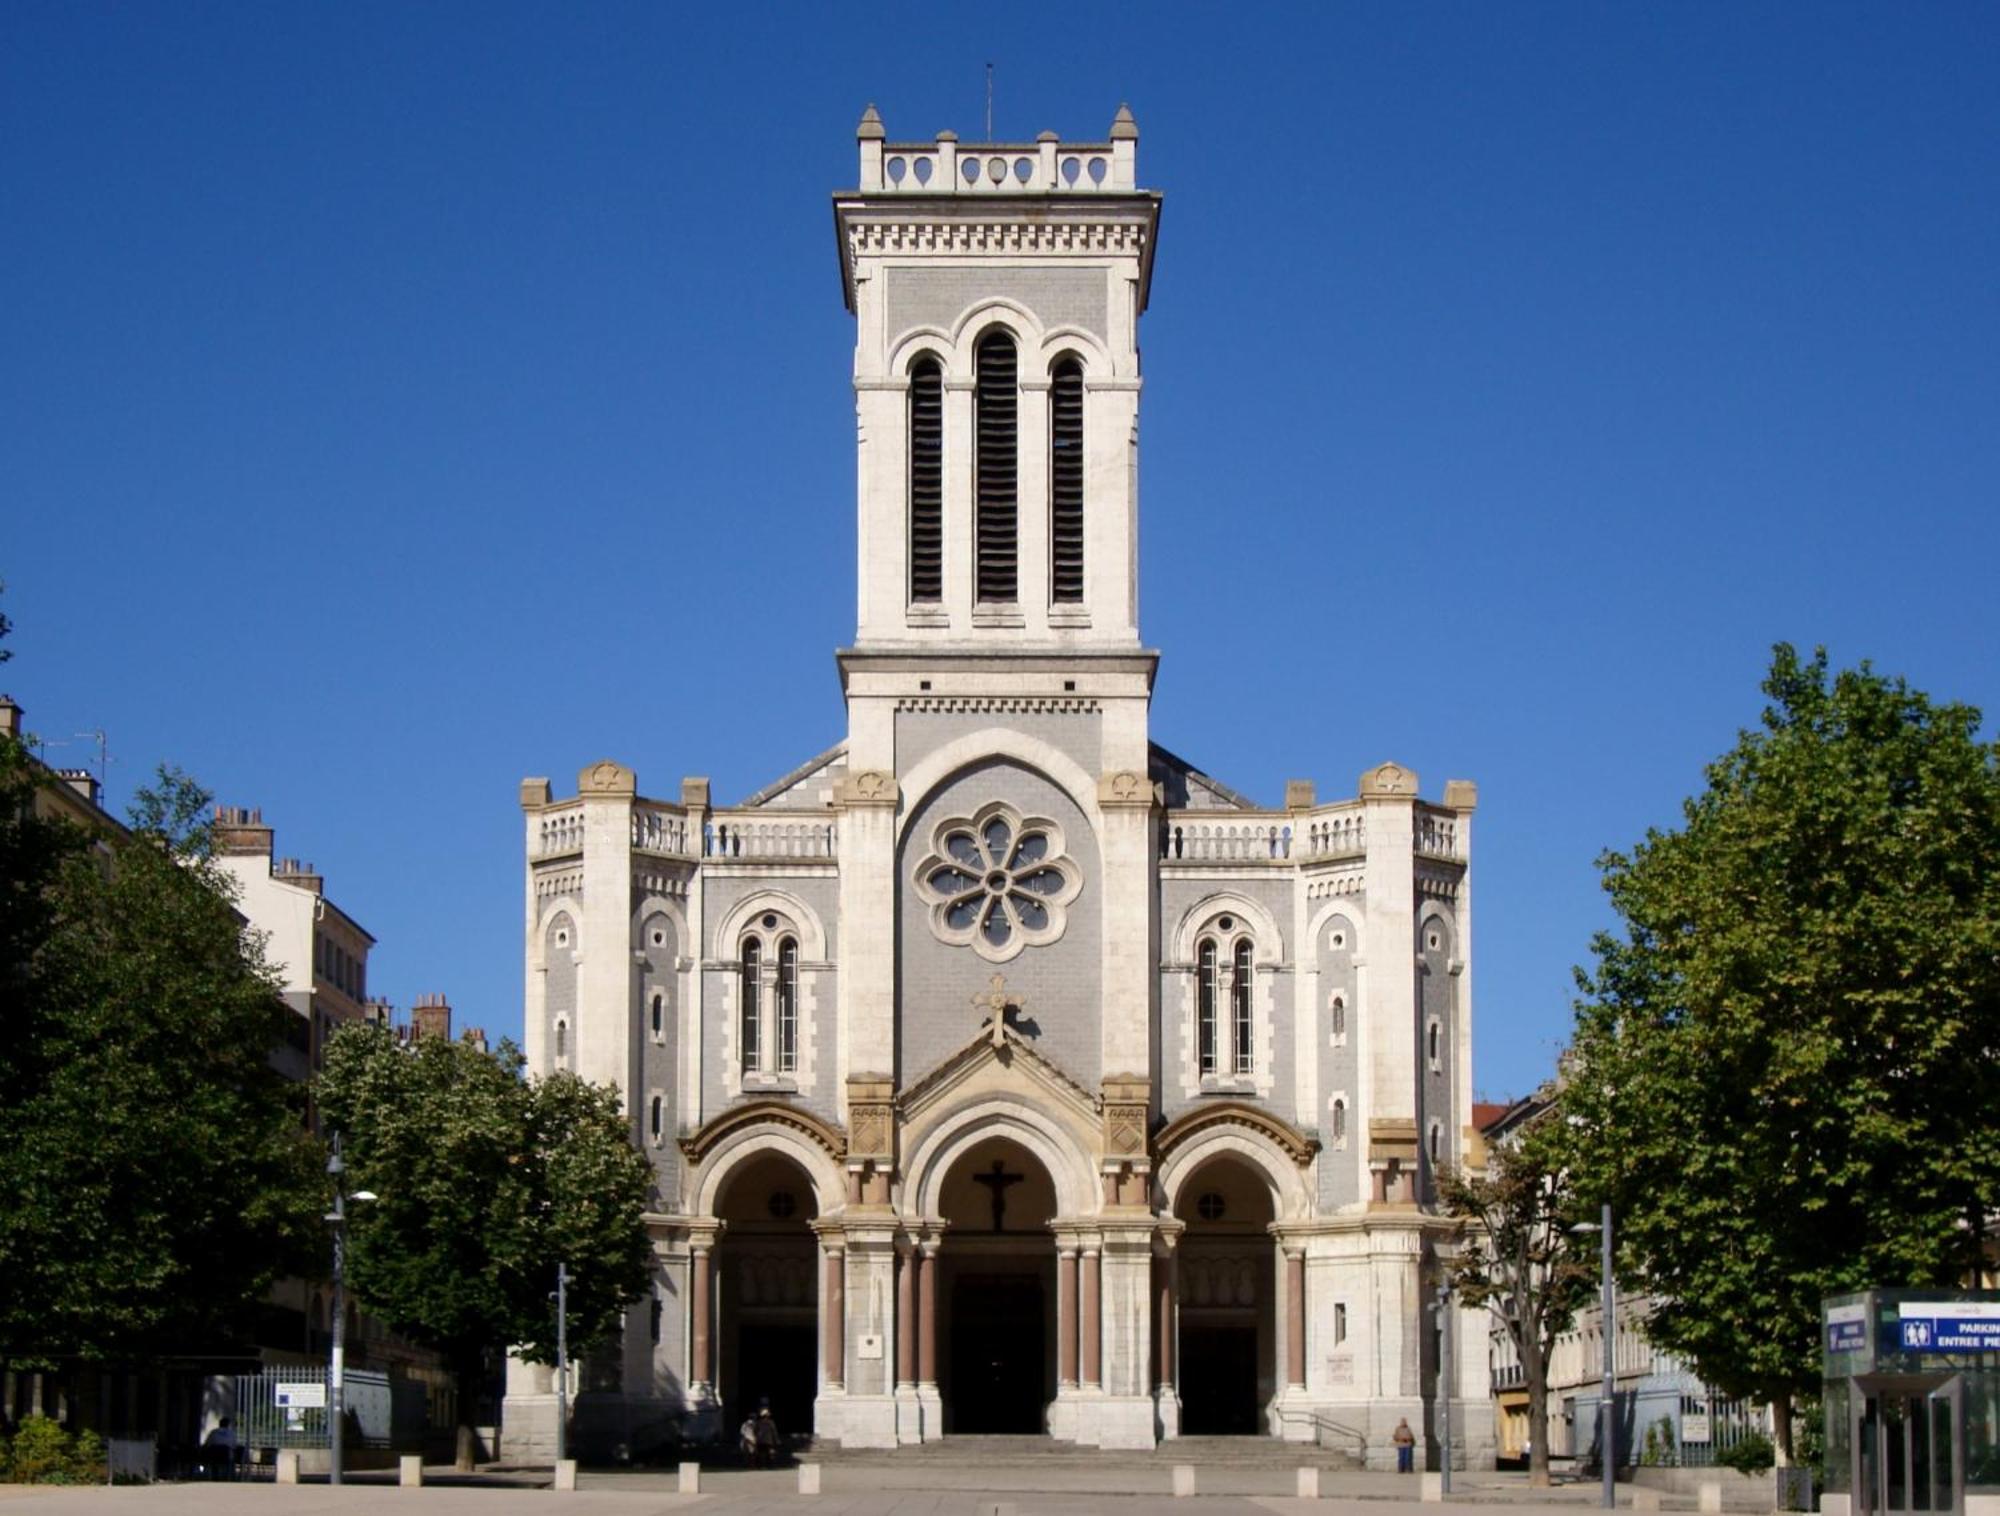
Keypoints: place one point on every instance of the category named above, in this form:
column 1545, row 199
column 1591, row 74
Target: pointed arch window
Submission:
column 1205, row 1003
column 750, row 1017
column 996, row 470
column 562, row 1040
column 654, row 1121
column 926, row 481
column 1242, row 1040
column 1339, row 1122
column 659, row 1015
column 1066, row 483
column 788, row 1006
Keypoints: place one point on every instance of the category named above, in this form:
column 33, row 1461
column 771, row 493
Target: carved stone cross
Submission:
column 996, row 1003
column 998, row 1182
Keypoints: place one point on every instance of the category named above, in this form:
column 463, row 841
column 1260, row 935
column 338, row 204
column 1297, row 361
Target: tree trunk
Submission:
column 1534, row 1367
column 467, row 1375
column 1781, row 1429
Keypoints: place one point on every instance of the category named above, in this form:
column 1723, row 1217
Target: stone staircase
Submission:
column 974, row 1451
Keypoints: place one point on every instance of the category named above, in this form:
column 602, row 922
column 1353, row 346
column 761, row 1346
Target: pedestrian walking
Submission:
column 1406, row 1445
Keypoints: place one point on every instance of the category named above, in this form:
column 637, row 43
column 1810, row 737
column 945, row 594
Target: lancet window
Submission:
column 926, row 481
column 996, row 404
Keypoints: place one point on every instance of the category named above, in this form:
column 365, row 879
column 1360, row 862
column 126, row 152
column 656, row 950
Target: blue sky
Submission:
column 398, row 401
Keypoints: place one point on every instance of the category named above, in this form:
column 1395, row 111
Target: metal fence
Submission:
column 1709, row 1428
column 287, row 1408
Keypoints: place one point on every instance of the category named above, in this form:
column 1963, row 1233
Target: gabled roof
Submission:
column 778, row 788
column 1188, row 788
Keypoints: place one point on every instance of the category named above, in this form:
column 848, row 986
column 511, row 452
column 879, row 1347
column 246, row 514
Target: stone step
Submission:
column 974, row 1451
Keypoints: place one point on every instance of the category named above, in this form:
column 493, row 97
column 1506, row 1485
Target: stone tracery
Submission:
column 998, row 881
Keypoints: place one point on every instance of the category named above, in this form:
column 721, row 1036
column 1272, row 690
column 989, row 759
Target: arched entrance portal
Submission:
column 767, row 1288
column 1228, row 1327
column 997, row 1291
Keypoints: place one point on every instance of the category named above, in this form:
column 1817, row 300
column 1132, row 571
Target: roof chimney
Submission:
column 83, row 782
column 240, row 831
column 431, row 1017
column 10, row 718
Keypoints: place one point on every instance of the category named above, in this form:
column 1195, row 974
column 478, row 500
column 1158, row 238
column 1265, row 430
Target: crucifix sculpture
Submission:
column 997, row 1003
column 998, row 1180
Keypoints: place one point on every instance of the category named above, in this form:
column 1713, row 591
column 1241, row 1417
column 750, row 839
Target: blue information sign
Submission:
column 1846, row 1336
column 1966, row 1327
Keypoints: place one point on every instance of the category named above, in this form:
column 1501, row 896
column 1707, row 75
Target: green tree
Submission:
column 1523, row 1265
column 154, row 1173
column 1782, row 1070
column 486, row 1182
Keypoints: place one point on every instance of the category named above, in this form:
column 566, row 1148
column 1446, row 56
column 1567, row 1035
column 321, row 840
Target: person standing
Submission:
column 1406, row 1445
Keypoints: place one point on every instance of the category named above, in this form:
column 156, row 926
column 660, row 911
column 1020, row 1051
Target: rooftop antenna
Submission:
column 989, row 102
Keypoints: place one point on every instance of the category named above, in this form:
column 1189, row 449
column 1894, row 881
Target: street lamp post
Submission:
column 336, row 1391
column 562, row 1361
column 1444, row 1384
column 1607, row 1423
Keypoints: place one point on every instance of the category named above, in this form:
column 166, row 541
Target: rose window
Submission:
column 998, row 881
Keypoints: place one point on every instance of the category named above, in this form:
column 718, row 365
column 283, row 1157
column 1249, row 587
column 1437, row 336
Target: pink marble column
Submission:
column 1088, row 1327
column 927, row 1319
column 906, row 1317
column 835, row 1316
column 702, row 1272
column 1295, row 1319
column 1066, row 1316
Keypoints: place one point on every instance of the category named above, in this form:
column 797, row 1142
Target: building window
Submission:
column 1339, row 1322
column 1340, row 1123
column 659, row 1015
column 752, row 1012
column 656, row 1315
column 1337, row 1014
column 1066, row 483
column 1437, row 1143
column 996, row 461
column 562, row 1040
column 1433, row 1039
column 998, row 881
column 654, row 1118
column 1211, row 1206
column 788, row 1006
column 926, row 481
column 1239, row 1007
column 1205, row 1003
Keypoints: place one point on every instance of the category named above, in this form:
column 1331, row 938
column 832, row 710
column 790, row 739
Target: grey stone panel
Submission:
column 939, row 296
column 659, row 1054
column 560, row 985
column 936, row 981
column 920, row 733
column 1339, row 1069
column 1437, row 994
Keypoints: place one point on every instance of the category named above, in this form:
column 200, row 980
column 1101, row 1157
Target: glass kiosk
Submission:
column 1912, row 1396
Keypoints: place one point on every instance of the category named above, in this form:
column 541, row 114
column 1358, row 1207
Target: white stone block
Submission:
column 565, row 1473
column 288, row 1465
column 410, row 1471
column 808, row 1479
column 1432, row 1487
column 1645, row 1499
column 1708, row 1495
column 1183, row 1480
column 1308, row 1484
column 1840, row 1505
column 690, row 1479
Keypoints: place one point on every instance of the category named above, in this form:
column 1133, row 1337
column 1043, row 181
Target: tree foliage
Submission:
column 486, row 1181
column 1782, row 1076
column 154, row 1173
column 1525, row 1267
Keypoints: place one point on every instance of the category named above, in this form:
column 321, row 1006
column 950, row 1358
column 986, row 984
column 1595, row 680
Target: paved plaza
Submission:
column 873, row 1490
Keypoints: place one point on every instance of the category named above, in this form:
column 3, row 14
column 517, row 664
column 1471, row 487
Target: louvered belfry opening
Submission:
column 996, row 488
column 926, row 481
column 1066, row 483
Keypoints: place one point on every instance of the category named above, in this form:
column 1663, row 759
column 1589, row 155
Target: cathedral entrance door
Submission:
column 768, row 1295
column 1228, row 1337
column 997, row 1274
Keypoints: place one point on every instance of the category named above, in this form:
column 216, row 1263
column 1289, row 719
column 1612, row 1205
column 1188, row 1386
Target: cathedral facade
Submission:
column 1001, row 1070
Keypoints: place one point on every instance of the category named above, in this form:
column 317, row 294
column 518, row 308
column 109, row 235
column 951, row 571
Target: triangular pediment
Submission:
column 982, row 1061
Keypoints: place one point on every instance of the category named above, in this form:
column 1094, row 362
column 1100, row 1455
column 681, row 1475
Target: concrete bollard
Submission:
column 288, row 1466
column 565, row 1473
column 1308, row 1484
column 690, row 1479
column 1431, row 1487
column 1708, row 1495
column 1645, row 1498
column 410, row 1471
column 1183, row 1480
column 808, row 1479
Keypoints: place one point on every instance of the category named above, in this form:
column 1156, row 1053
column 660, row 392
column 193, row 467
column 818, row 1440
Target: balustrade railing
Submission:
column 1437, row 835
column 561, row 832
column 1334, row 834
column 946, row 168
column 659, row 830
column 731, row 836
column 1185, row 840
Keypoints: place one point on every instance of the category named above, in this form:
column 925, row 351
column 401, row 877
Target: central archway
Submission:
column 1228, row 1329
column 997, row 1290
column 766, row 1269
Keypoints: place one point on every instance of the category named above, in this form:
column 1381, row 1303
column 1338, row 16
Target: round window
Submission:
column 770, row 921
column 783, row 1203
column 1210, row 1207
column 1227, row 923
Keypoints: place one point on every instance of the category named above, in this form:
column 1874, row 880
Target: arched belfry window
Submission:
column 1239, row 1007
column 926, row 481
column 1205, row 1003
column 751, row 1018
column 1066, row 482
column 996, row 460
column 788, row 1006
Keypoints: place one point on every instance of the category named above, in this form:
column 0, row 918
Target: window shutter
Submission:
column 926, row 482
column 996, row 404
column 1066, row 483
